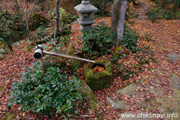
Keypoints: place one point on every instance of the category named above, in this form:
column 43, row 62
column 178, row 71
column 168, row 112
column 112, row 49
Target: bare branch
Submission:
column 32, row 8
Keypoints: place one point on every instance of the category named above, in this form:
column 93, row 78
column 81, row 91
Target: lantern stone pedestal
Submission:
column 85, row 10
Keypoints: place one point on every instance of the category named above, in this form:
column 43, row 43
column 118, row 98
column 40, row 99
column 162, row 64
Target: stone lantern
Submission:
column 85, row 10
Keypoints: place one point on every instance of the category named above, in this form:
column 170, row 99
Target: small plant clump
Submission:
column 44, row 93
column 98, row 41
column 64, row 17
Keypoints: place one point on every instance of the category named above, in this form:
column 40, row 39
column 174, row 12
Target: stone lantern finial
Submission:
column 85, row 10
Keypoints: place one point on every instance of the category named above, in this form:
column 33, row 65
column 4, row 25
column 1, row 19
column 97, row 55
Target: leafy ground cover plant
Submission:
column 98, row 40
column 44, row 93
column 130, row 44
column 128, row 48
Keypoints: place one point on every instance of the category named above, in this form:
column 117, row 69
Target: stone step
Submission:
column 118, row 105
column 143, row 18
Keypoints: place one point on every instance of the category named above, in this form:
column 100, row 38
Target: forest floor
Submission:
column 158, row 91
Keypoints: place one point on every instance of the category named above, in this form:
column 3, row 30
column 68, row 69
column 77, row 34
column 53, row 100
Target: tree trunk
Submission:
column 118, row 17
column 26, row 18
column 57, row 19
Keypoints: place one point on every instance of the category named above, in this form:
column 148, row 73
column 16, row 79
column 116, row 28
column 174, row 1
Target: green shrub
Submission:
column 64, row 17
column 163, row 10
column 167, row 3
column 98, row 40
column 129, row 40
column 8, row 28
column 160, row 13
column 36, row 21
column 41, row 32
column 103, row 6
column 40, row 92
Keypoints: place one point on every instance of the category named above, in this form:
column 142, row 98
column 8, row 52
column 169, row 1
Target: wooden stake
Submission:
column 42, row 65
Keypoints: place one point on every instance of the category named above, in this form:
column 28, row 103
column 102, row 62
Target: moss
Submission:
column 167, row 107
column 70, row 49
column 158, row 71
column 10, row 116
column 75, row 63
column 99, row 80
column 27, row 48
column 2, row 88
column 2, row 56
column 134, row 65
column 115, row 54
column 175, row 102
column 86, row 91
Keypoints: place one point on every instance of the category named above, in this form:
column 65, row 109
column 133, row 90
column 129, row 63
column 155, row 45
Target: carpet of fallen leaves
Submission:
column 165, row 39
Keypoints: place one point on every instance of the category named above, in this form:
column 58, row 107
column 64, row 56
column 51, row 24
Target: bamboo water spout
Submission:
column 39, row 53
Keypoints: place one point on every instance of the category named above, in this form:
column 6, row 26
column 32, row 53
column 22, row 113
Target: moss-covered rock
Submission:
column 99, row 80
column 86, row 91
column 128, row 90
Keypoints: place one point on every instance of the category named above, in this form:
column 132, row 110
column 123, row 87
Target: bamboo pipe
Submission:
column 39, row 52
column 67, row 56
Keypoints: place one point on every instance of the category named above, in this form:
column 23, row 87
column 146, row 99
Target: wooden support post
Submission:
column 42, row 65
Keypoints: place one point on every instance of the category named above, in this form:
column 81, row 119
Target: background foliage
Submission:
column 64, row 17
column 9, row 25
column 167, row 9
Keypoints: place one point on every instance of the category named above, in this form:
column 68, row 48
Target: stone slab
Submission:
column 175, row 81
column 173, row 57
column 128, row 90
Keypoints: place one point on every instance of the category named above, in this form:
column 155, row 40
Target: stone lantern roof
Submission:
column 85, row 7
